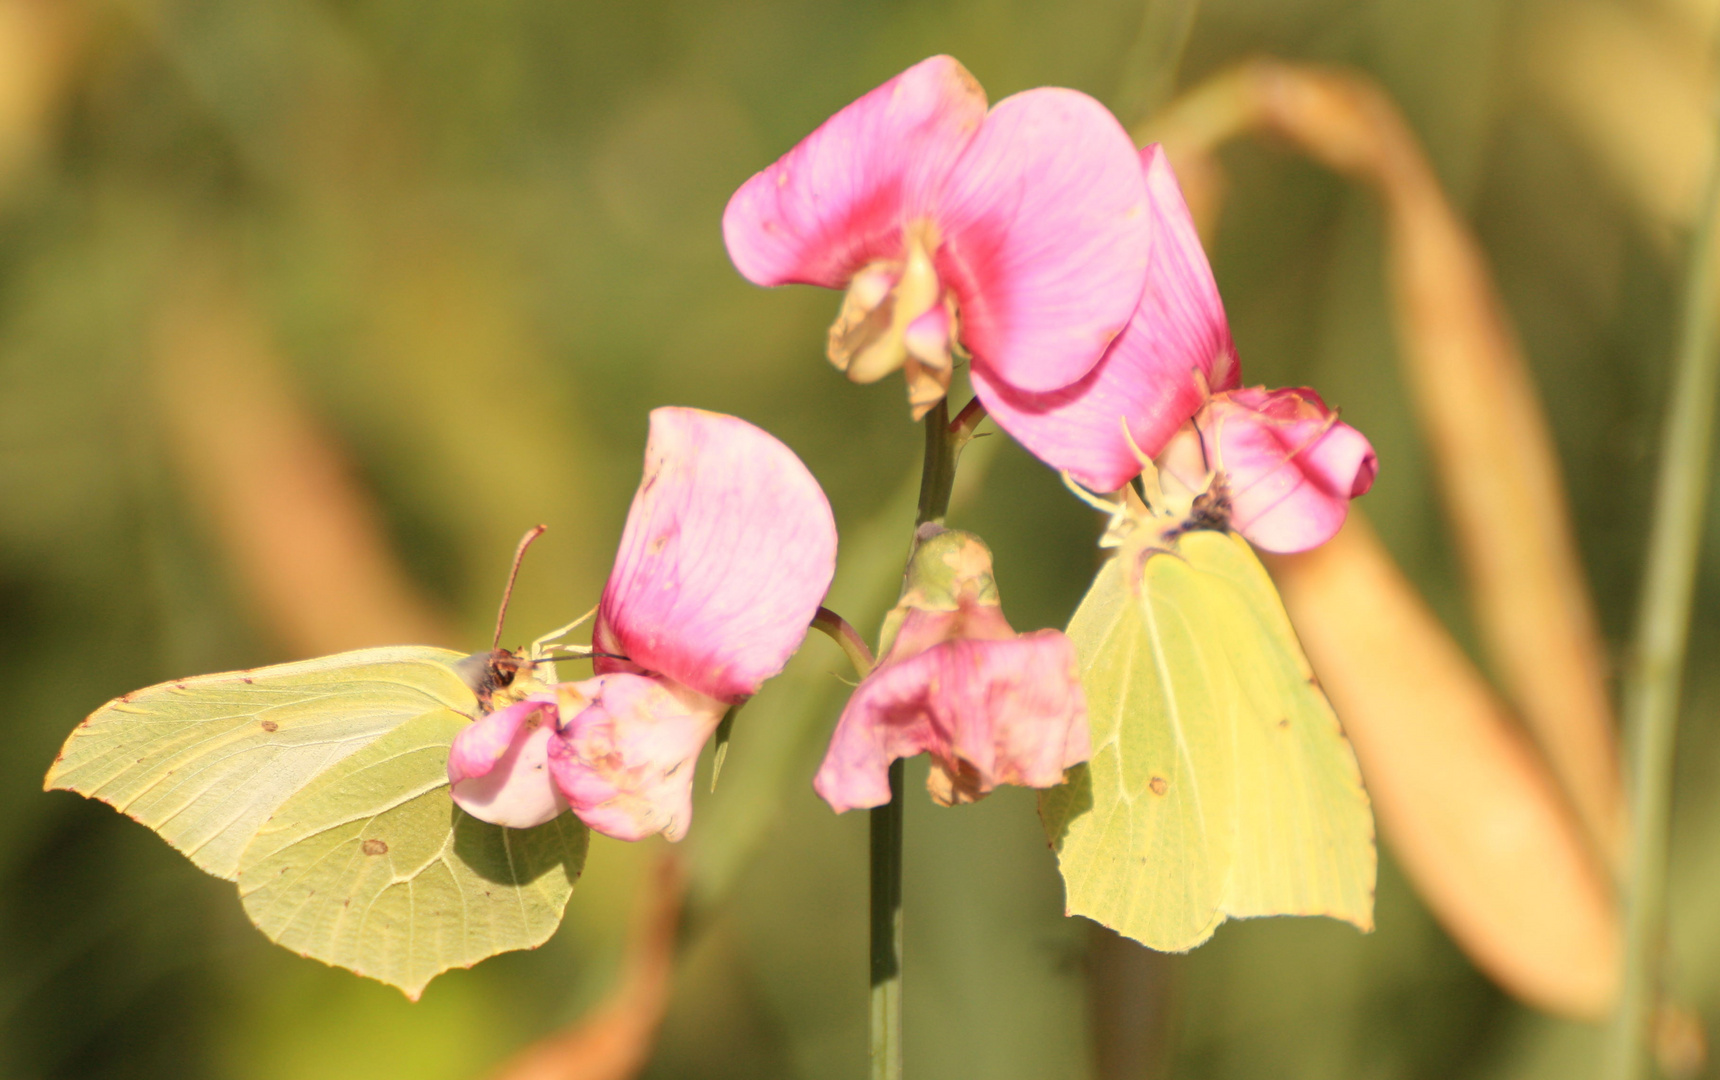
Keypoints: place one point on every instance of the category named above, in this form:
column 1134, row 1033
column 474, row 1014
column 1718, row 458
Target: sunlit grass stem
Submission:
column 1663, row 621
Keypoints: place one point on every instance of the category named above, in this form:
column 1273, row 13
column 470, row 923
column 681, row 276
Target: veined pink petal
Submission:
column 989, row 713
column 728, row 550
column 1045, row 237
column 1154, row 376
column 625, row 762
column 498, row 766
column 1291, row 465
column 839, row 200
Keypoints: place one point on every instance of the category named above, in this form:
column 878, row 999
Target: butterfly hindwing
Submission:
column 372, row 866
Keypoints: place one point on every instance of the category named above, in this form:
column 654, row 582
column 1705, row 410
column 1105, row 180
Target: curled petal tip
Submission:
column 1291, row 466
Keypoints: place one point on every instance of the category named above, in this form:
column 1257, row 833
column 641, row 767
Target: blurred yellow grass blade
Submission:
column 306, row 542
column 1474, row 816
column 1634, row 88
column 613, row 1041
column 1477, row 405
column 39, row 43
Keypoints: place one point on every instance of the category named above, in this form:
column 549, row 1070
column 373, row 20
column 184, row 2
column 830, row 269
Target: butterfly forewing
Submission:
column 205, row 761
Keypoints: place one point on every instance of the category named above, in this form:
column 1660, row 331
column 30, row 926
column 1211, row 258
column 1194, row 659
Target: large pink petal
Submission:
column 989, row 712
column 728, row 550
column 498, row 766
column 839, row 199
column 1154, row 376
column 626, row 761
column 1046, row 234
column 1291, row 465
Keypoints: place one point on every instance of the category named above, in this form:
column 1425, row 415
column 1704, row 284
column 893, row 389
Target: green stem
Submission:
column 1651, row 691
column 887, row 932
column 938, row 475
column 944, row 442
column 838, row 630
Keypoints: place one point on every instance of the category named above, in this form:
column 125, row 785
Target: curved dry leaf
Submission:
column 1475, row 819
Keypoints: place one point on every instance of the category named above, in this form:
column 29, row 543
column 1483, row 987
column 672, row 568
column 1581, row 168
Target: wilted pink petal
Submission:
column 728, row 550
column 1046, row 235
column 1291, row 466
column 838, row 201
column 625, row 761
column 989, row 713
column 1154, row 376
column 991, row 707
column 499, row 766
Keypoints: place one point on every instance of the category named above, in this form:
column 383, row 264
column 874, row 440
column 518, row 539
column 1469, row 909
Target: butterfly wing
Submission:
column 372, row 867
column 204, row 761
column 1220, row 784
column 321, row 787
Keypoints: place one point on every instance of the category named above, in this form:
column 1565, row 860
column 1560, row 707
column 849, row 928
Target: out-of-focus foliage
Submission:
column 422, row 268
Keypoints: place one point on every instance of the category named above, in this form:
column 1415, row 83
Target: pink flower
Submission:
column 728, row 550
column 1156, row 374
column 1021, row 232
column 1289, row 464
column 991, row 706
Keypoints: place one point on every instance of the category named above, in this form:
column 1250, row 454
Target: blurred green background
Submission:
column 458, row 248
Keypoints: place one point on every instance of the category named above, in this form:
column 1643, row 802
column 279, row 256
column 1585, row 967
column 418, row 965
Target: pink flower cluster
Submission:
column 1031, row 238
column 1037, row 240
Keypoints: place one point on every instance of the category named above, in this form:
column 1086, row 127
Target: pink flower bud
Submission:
column 1289, row 465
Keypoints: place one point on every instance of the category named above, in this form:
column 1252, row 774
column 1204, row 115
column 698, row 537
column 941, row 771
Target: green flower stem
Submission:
column 887, row 932
column 944, row 442
column 1663, row 623
column 837, row 629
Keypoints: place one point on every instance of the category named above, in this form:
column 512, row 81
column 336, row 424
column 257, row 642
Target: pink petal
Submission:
column 499, row 767
column 626, row 761
column 1045, row 236
column 1154, row 376
column 839, row 199
column 1291, row 465
column 989, row 712
column 728, row 550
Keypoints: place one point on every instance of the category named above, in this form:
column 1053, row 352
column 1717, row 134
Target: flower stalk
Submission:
column 937, row 479
column 1663, row 624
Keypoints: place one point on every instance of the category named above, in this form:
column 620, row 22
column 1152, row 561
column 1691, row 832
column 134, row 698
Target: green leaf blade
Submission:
column 1220, row 785
column 204, row 761
column 372, row 867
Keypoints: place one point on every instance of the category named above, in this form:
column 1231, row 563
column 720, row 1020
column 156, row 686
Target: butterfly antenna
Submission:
column 507, row 594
